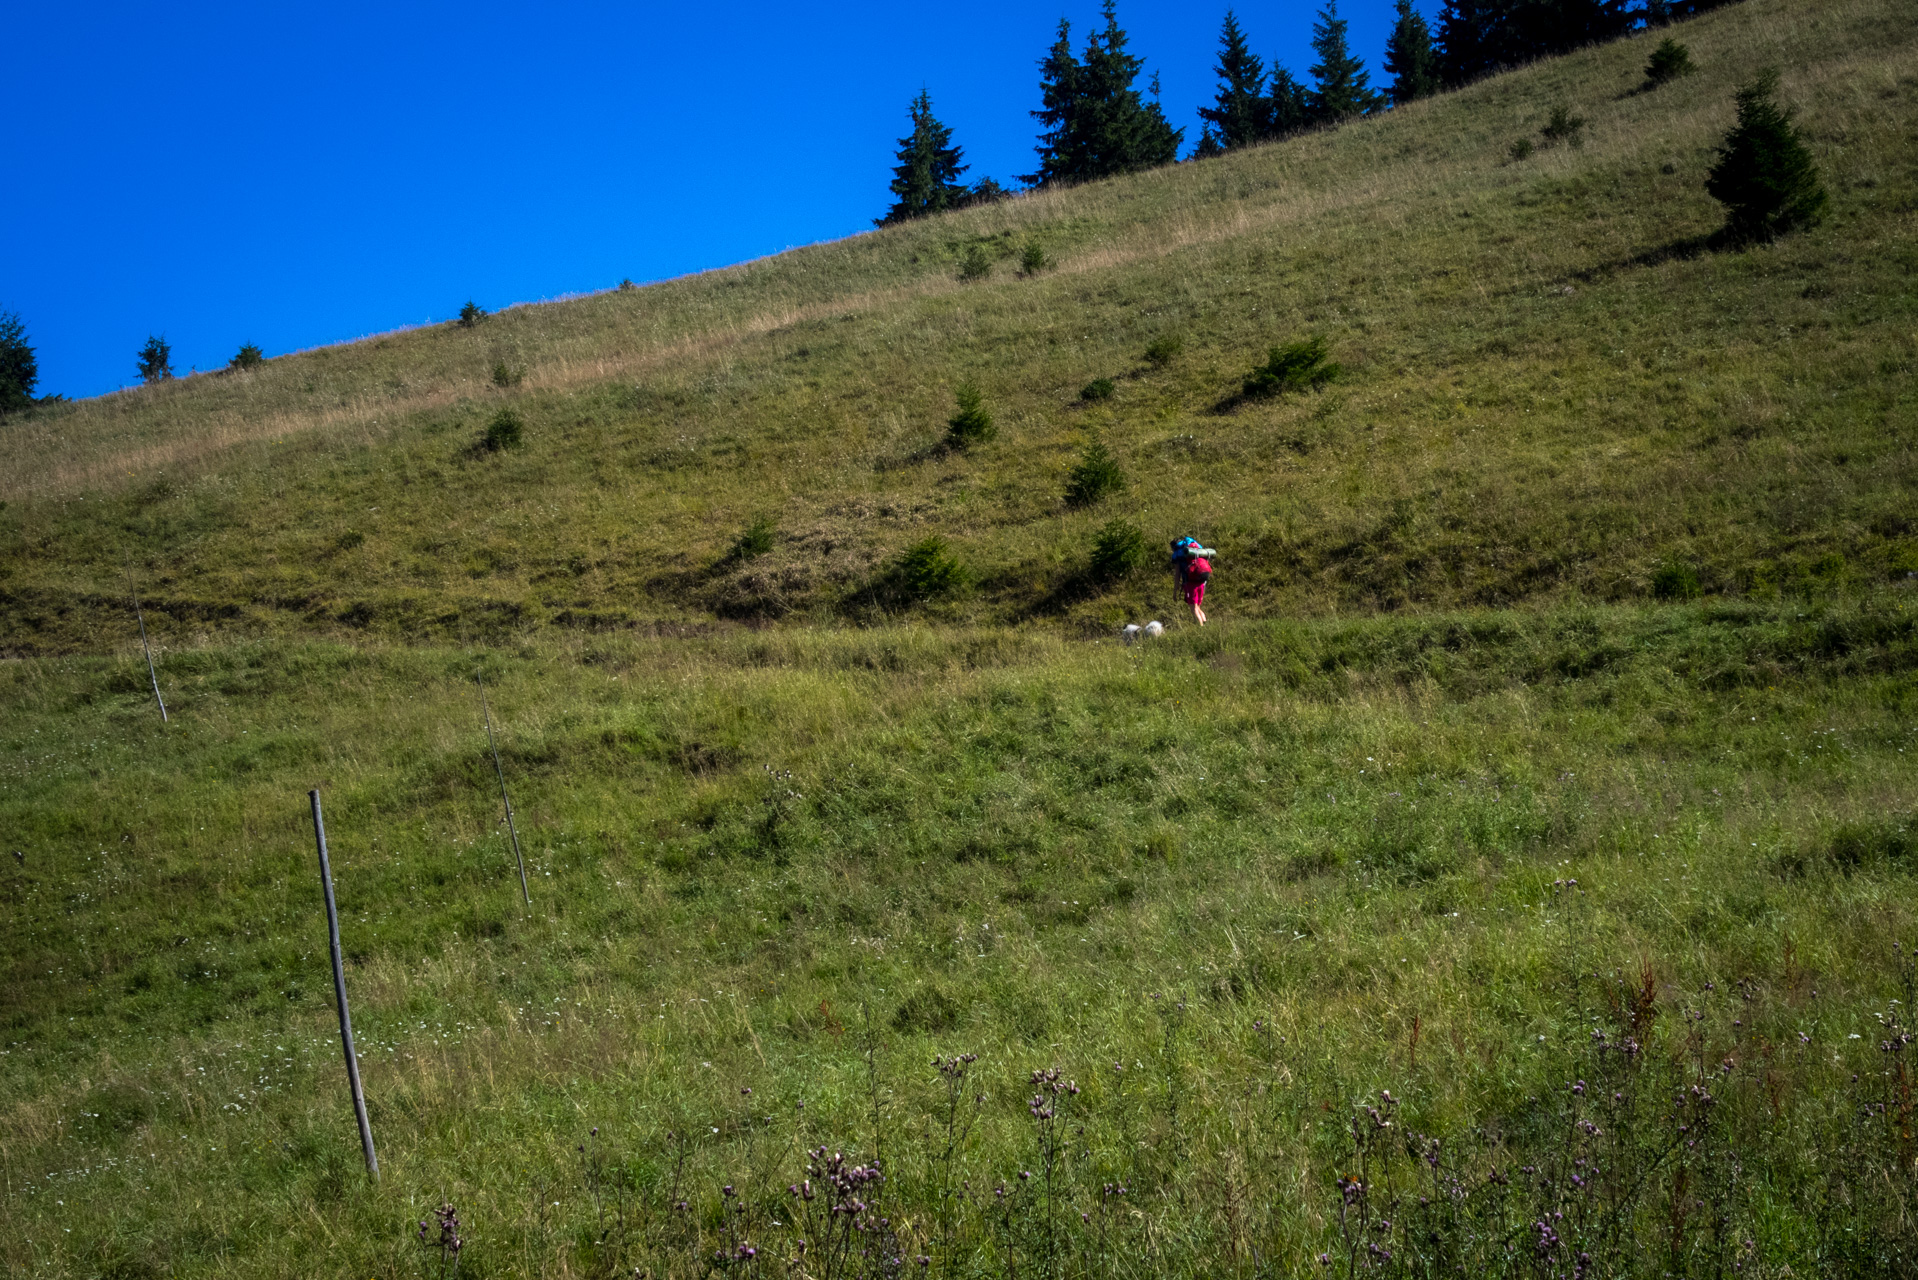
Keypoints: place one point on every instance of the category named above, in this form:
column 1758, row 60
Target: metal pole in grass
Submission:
column 500, row 773
column 339, row 992
column 148, row 650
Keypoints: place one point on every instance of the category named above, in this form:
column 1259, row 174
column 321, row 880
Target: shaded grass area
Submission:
column 1554, row 392
column 1270, row 869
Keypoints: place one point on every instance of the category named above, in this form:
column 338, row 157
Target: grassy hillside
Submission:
column 1553, row 391
column 1451, row 905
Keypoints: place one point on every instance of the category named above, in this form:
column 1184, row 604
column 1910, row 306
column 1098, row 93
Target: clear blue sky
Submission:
column 300, row 174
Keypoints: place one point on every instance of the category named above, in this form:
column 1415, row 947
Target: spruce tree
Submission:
column 1341, row 89
column 1765, row 175
column 1289, row 108
column 1542, row 28
column 926, row 178
column 1241, row 113
column 1474, row 38
column 1061, row 153
column 156, row 361
column 19, row 370
column 1410, row 58
column 1097, row 124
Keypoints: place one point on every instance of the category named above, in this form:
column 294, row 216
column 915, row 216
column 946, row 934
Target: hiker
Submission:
column 1192, row 570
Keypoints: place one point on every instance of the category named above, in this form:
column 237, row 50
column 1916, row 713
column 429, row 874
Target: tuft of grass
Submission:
column 929, row 1009
column 1164, row 349
column 1296, row 366
column 1676, row 580
column 756, row 540
column 1521, row 149
column 1098, row 389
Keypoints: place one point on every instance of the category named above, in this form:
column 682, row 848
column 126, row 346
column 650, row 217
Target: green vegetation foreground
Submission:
column 1525, row 873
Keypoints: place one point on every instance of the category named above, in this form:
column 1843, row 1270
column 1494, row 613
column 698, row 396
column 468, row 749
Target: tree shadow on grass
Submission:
column 1683, row 249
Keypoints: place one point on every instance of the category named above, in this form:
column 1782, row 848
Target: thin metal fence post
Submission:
column 500, row 773
column 148, row 650
column 339, row 992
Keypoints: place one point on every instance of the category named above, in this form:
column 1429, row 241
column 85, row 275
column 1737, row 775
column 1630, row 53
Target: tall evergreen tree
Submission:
column 1061, row 155
column 19, row 370
column 1340, row 88
column 926, row 178
column 1410, row 58
column 1241, row 113
column 1096, row 123
column 1288, row 107
column 1474, row 39
column 1541, row 28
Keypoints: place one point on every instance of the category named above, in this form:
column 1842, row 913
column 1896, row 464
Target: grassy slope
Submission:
column 1541, row 406
column 1345, row 829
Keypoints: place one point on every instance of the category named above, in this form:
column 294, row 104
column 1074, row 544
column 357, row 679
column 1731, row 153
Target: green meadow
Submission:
column 1517, row 877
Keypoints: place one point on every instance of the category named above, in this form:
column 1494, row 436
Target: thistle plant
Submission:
column 958, row 1120
column 1051, row 1097
column 443, row 1247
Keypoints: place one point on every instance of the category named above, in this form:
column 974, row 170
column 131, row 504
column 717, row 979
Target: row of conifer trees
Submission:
column 1095, row 122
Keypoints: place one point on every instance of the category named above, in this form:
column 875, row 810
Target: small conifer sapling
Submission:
column 1096, row 474
column 1563, row 126
column 972, row 424
column 1296, row 366
column 928, row 570
column 1669, row 61
column 1765, row 175
column 1117, row 550
column 249, row 356
column 470, row 314
column 505, row 431
column 976, row 264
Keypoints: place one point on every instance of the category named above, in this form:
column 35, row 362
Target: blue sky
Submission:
column 300, row 174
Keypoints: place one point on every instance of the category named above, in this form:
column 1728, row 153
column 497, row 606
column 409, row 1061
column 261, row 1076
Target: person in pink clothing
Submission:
column 1192, row 571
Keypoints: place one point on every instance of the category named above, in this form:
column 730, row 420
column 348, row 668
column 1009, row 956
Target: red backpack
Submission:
column 1198, row 569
